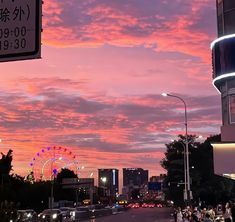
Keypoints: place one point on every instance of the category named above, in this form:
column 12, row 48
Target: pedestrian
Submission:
column 211, row 212
column 203, row 213
column 228, row 213
column 196, row 215
column 233, row 211
column 207, row 218
column 175, row 215
column 179, row 215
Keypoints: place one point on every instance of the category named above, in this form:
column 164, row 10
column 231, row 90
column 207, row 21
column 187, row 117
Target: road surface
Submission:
column 139, row 215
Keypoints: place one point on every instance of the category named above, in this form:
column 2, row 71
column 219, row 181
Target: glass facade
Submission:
column 225, row 17
column 224, row 110
column 224, row 57
column 232, row 108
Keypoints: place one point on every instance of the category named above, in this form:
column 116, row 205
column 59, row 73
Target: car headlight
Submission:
column 54, row 216
column 72, row 213
column 43, row 216
column 29, row 215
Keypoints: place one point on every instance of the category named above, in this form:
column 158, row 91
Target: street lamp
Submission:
column 188, row 194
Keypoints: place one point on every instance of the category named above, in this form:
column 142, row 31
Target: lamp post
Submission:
column 187, row 194
column 185, row 170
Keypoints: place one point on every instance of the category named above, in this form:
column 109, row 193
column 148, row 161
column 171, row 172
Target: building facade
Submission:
column 223, row 55
column 108, row 180
column 135, row 180
column 223, row 60
column 134, row 176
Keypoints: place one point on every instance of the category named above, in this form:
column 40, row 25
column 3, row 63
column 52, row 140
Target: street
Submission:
column 139, row 215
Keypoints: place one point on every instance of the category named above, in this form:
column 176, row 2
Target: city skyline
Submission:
column 97, row 88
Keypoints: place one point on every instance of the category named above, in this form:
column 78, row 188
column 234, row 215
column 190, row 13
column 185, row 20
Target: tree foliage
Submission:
column 26, row 193
column 205, row 185
column 5, row 165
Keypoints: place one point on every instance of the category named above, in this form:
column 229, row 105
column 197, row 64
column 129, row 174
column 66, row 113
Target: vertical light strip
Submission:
column 114, row 178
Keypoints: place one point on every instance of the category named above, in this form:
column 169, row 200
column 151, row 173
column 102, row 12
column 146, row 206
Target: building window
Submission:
column 225, row 110
column 232, row 108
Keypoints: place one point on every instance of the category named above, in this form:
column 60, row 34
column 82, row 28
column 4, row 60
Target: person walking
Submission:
column 175, row 215
column 211, row 213
column 179, row 215
column 228, row 213
column 207, row 218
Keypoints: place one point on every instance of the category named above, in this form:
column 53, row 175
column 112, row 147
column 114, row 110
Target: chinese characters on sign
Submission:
column 20, row 29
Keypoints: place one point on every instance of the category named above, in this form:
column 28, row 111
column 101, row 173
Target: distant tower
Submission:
column 223, row 59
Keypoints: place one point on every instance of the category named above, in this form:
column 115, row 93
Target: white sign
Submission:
column 20, row 29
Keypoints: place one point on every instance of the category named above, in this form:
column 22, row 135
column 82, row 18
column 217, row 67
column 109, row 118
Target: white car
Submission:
column 50, row 215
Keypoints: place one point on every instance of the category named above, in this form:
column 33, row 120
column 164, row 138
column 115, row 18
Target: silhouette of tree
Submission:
column 65, row 173
column 5, row 163
column 60, row 193
column 205, row 185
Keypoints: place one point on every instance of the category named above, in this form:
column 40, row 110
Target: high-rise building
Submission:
column 135, row 182
column 223, row 54
column 159, row 178
column 134, row 176
column 108, row 180
column 223, row 57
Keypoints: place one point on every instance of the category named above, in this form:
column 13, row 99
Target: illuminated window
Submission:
column 232, row 108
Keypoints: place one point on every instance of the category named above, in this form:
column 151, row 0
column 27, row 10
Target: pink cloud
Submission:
column 104, row 22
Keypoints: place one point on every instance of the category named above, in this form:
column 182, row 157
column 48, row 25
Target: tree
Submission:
column 5, row 165
column 65, row 173
column 59, row 192
column 174, row 164
column 205, row 185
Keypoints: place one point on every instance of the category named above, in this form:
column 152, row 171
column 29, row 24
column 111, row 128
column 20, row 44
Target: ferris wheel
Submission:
column 50, row 160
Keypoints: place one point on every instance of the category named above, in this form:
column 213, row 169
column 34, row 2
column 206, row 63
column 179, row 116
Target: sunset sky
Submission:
column 97, row 88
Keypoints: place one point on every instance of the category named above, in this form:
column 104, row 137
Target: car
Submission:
column 26, row 215
column 50, row 215
column 135, row 205
column 130, row 205
column 151, row 205
column 80, row 213
column 144, row 205
column 159, row 205
column 66, row 212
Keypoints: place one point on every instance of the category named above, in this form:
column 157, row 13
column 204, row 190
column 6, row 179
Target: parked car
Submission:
column 49, row 215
